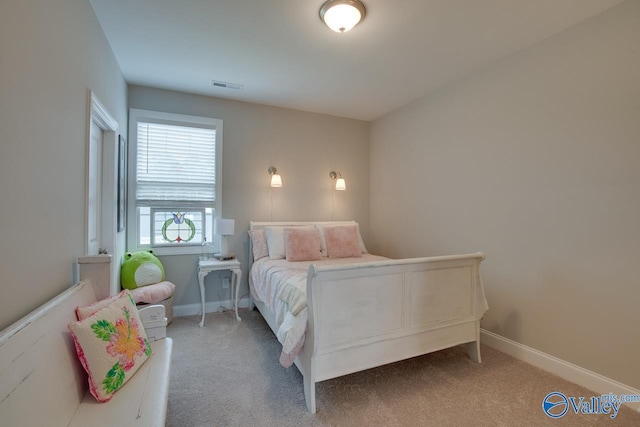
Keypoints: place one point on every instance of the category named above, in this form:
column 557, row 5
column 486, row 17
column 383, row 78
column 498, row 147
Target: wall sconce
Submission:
column 276, row 180
column 341, row 185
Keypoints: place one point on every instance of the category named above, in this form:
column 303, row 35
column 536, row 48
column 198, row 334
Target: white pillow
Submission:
column 323, row 242
column 363, row 249
column 275, row 242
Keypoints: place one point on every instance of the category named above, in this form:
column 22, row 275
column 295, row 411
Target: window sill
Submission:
column 187, row 250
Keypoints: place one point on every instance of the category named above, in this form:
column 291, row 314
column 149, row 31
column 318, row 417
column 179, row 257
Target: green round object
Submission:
column 140, row 268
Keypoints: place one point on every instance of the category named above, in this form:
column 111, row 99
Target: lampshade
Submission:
column 341, row 185
column 224, row 227
column 276, row 180
column 342, row 15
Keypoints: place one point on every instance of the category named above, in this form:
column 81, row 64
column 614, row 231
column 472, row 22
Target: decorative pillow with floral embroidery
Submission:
column 111, row 345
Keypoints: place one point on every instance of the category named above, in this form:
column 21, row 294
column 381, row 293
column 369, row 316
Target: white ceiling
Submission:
column 285, row 56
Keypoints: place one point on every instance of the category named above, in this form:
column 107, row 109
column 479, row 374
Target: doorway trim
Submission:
column 109, row 221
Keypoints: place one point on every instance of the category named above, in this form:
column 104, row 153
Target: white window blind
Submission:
column 175, row 163
column 175, row 183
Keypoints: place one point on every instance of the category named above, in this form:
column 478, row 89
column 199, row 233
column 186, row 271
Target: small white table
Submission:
column 206, row 267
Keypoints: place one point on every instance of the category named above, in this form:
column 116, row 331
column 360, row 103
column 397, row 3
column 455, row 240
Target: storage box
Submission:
column 156, row 330
column 168, row 306
column 153, row 321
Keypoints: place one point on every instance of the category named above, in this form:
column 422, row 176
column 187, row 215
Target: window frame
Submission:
column 133, row 229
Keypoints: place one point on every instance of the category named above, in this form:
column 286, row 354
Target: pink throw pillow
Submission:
column 82, row 312
column 302, row 244
column 342, row 241
column 152, row 294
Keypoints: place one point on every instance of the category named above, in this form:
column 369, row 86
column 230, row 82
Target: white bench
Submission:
column 43, row 384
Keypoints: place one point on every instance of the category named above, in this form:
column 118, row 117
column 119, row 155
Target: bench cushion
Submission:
column 141, row 402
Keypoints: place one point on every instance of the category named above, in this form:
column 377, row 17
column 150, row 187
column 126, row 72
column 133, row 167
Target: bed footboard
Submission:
column 365, row 315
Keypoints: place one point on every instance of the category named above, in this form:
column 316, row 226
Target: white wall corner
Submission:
column 570, row 372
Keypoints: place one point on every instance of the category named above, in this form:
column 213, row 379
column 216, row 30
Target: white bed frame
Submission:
column 369, row 314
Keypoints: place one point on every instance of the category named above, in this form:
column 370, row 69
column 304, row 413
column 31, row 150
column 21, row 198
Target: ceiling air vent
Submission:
column 226, row 85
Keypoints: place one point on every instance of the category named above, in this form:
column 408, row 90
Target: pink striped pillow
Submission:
column 302, row 244
column 342, row 241
column 259, row 244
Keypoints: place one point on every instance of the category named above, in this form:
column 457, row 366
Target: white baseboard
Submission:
column 581, row 376
column 209, row 307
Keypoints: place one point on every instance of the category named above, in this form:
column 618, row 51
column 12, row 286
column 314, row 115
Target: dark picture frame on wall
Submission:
column 122, row 183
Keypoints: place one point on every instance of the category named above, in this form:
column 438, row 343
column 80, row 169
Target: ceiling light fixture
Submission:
column 342, row 15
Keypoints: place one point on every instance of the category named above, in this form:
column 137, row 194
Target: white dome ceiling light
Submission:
column 342, row 15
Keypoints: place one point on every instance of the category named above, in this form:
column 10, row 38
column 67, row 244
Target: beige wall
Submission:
column 534, row 161
column 51, row 53
column 304, row 147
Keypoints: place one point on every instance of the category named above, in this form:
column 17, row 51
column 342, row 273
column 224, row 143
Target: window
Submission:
column 174, row 181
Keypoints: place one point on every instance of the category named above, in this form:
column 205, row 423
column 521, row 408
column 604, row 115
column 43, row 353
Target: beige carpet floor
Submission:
column 228, row 374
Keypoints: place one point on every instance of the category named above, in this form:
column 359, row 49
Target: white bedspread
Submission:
column 281, row 286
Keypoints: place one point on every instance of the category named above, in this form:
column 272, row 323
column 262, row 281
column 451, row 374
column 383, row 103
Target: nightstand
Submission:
column 206, row 267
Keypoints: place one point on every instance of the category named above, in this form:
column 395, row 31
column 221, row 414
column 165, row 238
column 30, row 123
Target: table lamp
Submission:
column 225, row 228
